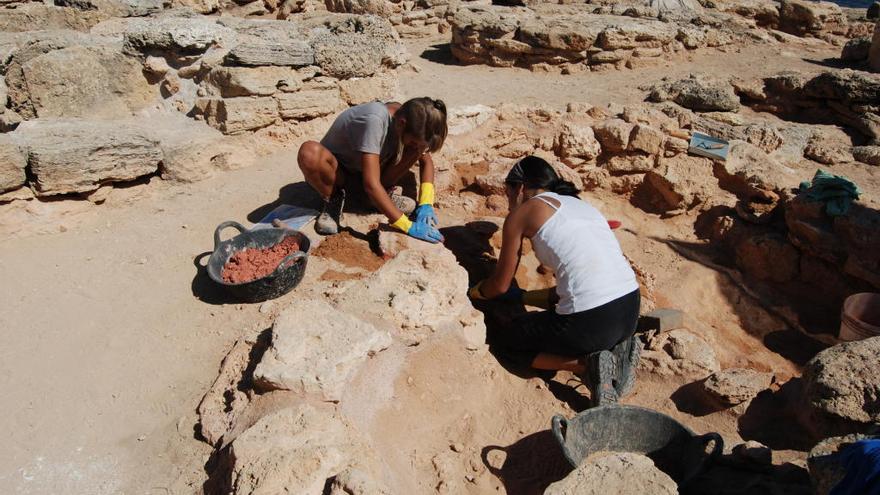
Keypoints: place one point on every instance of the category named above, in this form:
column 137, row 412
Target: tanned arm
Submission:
column 374, row 188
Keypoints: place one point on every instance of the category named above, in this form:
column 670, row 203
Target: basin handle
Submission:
column 559, row 426
column 229, row 223
column 717, row 445
column 290, row 259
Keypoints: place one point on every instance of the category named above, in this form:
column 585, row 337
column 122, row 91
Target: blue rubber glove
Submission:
column 425, row 232
column 426, row 214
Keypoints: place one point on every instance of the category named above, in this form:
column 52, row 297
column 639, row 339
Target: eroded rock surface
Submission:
column 623, row 473
column 736, row 385
column 296, row 450
column 841, row 393
column 315, row 349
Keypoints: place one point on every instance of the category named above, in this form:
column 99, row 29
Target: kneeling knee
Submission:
column 309, row 154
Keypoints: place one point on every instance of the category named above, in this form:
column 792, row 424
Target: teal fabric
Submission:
column 835, row 191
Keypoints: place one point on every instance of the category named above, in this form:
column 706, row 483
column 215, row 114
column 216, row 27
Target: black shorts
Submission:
column 575, row 335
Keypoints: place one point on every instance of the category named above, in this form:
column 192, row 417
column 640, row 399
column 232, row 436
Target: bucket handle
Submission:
column 717, row 445
column 703, row 464
column 559, row 426
column 290, row 259
column 229, row 223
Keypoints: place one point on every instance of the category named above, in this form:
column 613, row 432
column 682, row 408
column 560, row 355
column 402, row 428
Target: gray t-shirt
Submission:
column 360, row 129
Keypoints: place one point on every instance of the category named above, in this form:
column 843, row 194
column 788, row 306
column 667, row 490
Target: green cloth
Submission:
column 835, row 191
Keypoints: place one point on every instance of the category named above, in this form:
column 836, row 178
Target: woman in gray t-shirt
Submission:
column 376, row 144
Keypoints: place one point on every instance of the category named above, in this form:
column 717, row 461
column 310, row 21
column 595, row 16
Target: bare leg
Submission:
column 392, row 175
column 545, row 361
column 320, row 168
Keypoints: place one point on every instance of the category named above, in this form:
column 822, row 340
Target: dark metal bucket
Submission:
column 673, row 447
column 281, row 281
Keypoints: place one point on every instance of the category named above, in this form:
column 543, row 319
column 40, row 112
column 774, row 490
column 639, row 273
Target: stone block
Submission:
column 661, row 320
column 236, row 115
column 73, row 155
column 316, row 349
column 12, row 164
column 309, row 103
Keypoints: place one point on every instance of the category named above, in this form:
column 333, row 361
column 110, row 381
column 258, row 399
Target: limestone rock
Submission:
column 269, row 42
column 421, row 290
column 676, row 5
column 734, row 386
column 679, row 352
column 867, row 154
column 578, row 141
column 811, row 230
column 764, row 136
column 697, row 92
column 353, row 481
column 856, row 50
column 382, row 8
column 12, row 164
column 874, row 52
column 296, row 450
column 236, row 115
column 73, row 155
column 116, row 8
column 191, row 150
column 630, row 163
column 827, row 150
column 614, row 135
column 462, row 120
column 768, row 257
column 37, row 16
column 752, row 453
column 802, row 18
column 646, row 139
column 349, row 46
column 81, row 81
column 198, row 6
column 622, row 473
column 253, row 81
column 316, row 349
column 384, row 86
column 309, row 103
column 846, row 85
column 841, row 391
column 750, row 173
column 180, row 35
column 680, row 182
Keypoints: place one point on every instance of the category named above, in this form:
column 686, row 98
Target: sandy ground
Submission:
column 108, row 343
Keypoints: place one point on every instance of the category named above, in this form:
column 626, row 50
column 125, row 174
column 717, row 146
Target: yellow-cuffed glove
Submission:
column 425, row 210
column 420, row 230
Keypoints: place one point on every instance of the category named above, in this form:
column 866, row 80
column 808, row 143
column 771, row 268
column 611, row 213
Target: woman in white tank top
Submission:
column 596, row 298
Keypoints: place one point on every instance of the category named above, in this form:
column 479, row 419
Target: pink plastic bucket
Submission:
column 860, row 318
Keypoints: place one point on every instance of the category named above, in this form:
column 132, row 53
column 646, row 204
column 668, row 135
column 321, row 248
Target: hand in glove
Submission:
column 426, row 214
column 420, row 230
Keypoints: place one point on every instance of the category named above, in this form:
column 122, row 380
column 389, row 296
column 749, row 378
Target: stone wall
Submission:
column 745, row 206
column 92, row 103
column 575, row 36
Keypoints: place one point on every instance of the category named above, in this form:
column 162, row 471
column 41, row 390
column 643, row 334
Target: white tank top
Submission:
column 578, row 245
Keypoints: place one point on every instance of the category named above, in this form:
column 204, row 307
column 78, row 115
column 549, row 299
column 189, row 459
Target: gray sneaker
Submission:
column 403, row 203
column 627, row 354
column 600, row 375
column 330, row 219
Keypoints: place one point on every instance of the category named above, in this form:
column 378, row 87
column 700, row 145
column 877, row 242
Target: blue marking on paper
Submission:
column 294, row 217
column 709, row 146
